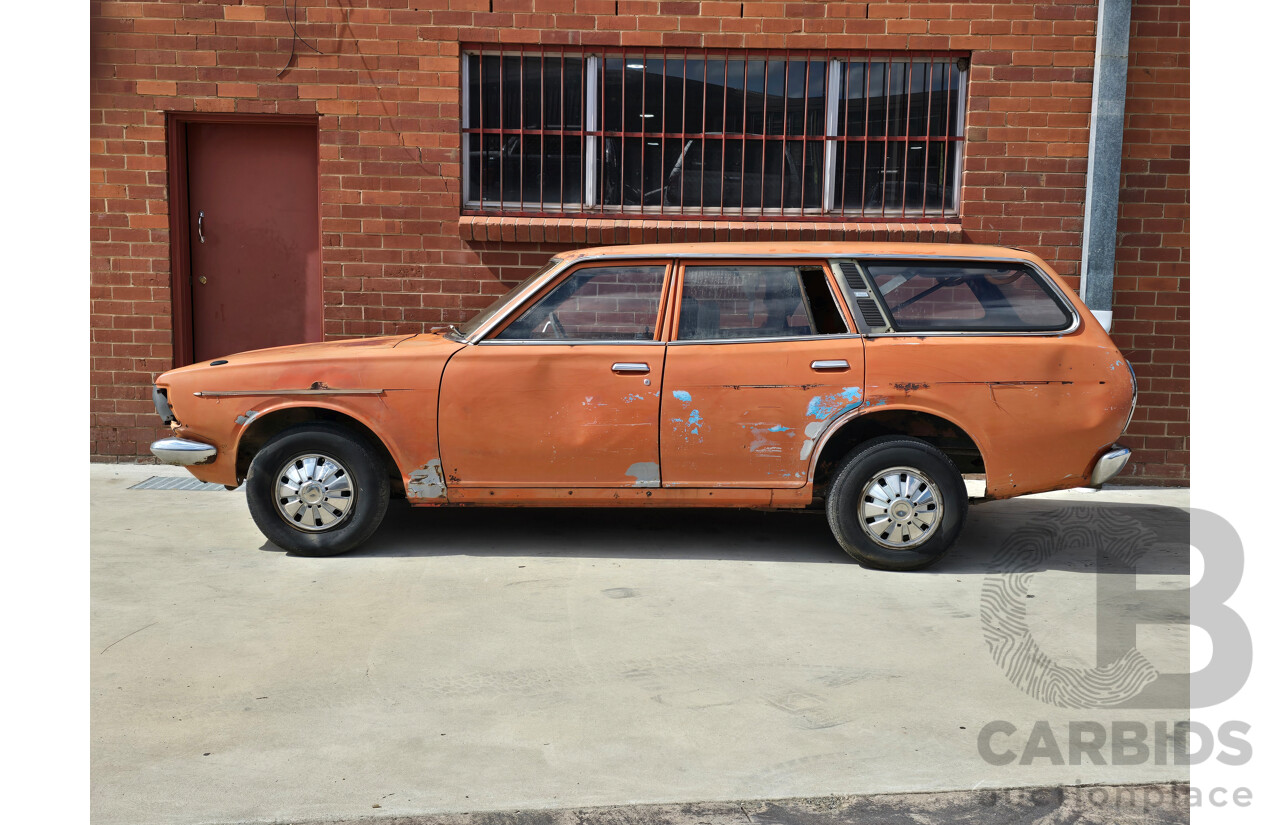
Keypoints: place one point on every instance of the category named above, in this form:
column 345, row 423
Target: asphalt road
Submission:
column 473, row 661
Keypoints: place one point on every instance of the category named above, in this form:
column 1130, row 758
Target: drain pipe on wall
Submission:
column 1106, row 142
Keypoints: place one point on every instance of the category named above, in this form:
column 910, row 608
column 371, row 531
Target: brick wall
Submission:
column 397, row 258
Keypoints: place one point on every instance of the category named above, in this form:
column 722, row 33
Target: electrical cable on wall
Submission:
column 293, row 44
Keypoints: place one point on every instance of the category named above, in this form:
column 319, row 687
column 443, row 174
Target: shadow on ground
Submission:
column 1024, row 535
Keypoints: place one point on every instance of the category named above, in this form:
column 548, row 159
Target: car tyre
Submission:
column 318, row 490
column 896, row 503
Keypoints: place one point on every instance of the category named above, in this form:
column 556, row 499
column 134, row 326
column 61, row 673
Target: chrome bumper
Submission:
column 183, row 452
column 1109, row 466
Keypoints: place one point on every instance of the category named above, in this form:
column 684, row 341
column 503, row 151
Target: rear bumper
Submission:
column 183, row 452
column 1109, row 465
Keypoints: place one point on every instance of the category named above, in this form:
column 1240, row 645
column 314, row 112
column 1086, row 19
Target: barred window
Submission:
column 804, row 135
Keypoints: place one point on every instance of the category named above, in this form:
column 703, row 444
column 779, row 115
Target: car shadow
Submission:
column 1021, row 535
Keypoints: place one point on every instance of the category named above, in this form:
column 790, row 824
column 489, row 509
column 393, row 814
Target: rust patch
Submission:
column 908, row 387
column 427, row 482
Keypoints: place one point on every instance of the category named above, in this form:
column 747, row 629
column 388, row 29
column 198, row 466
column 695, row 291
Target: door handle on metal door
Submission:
column 838, row 364
column 200, row 226
column 623, row 366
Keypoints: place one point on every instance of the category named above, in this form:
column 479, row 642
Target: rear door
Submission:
column 761, row 360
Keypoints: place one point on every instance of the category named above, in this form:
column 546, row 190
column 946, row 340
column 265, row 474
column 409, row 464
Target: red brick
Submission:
column 397, row 257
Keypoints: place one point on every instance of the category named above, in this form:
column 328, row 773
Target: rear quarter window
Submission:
column 968, row 296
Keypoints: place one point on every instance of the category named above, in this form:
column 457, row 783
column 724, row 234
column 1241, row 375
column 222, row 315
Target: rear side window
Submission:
column 973, row 296
column 732, row 302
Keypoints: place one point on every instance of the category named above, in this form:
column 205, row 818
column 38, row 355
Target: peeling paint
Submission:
column 778, row 428
column 427, row 482
column 811, row 433
column 635, row 396
column 682, row 395
column 645, row 473
column 823, row 407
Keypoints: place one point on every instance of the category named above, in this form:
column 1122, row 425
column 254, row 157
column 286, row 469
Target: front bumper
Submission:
column 183, row 452
column 1110, row 465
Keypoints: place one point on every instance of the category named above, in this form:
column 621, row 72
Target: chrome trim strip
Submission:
column 1133, row 402
column 232, row 393
column 853, row 255
column 1109, row 466
column 183, row 452
column 478, row 336
column 701, row 341
column 567, row 342
column 836, row 364
column 1049, row 282
column 630, row 367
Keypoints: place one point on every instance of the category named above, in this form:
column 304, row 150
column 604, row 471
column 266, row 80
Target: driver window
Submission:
column 599, row 303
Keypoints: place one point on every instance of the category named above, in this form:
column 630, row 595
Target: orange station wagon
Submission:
column 866, row 379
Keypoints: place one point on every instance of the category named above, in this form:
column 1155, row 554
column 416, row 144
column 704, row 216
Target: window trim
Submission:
column 517, row 308
column 473, row 204
column 1050, row 285
column 677, row 296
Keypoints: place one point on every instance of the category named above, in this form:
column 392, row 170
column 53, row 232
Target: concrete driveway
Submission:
column 474, row 660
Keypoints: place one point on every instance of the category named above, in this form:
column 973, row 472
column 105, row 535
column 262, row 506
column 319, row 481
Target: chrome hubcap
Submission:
column 314, row 492
column 900, row 508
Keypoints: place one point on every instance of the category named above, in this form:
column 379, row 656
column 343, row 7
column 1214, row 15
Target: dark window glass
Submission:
column 525, row 172
column 711, row 134
column 898, row 148
column 721, row 302
column 996, row 297
column 609, row 303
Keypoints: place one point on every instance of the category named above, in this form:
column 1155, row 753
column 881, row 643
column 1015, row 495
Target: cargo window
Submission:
column 929, row 296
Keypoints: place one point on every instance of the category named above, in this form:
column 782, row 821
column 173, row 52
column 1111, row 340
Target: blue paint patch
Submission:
column 778, row 428
column 695, row 421
column 635, row 396
column 823, row 407
column 683, row 396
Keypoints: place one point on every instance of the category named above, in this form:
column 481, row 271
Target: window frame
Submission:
column 1050, row 286
column 676, row 296
column 488, row 335
column 592, row 133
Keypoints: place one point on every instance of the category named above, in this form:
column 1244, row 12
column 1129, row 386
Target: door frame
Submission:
column 180, row 291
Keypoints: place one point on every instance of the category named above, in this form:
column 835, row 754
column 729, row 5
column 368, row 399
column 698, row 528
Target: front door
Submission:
column 254, row 236
column 762, row 363
column 565, row 394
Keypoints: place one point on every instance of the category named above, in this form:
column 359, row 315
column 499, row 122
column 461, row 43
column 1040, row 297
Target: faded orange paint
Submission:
column 541, row 424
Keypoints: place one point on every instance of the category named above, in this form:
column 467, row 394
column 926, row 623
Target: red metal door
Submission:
column 254, row 236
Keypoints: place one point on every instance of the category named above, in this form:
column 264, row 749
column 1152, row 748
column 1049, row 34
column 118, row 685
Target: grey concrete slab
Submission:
column 473, row 660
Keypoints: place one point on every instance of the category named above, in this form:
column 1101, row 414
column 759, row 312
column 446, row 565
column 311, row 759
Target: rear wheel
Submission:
column 897, row 503
column 318, row 490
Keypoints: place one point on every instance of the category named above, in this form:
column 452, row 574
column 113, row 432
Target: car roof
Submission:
column 794, row 248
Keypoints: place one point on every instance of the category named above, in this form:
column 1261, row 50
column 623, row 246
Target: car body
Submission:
column 729, row 375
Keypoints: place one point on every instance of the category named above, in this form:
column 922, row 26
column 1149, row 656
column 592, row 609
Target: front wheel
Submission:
column 317, row 490
column 897, row 503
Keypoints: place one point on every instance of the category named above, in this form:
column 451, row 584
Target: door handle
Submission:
column 200, row 226
column 623, row 366
column 837, row 364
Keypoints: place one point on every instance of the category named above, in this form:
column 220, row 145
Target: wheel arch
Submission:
column 858, row 426
column 262, row 428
